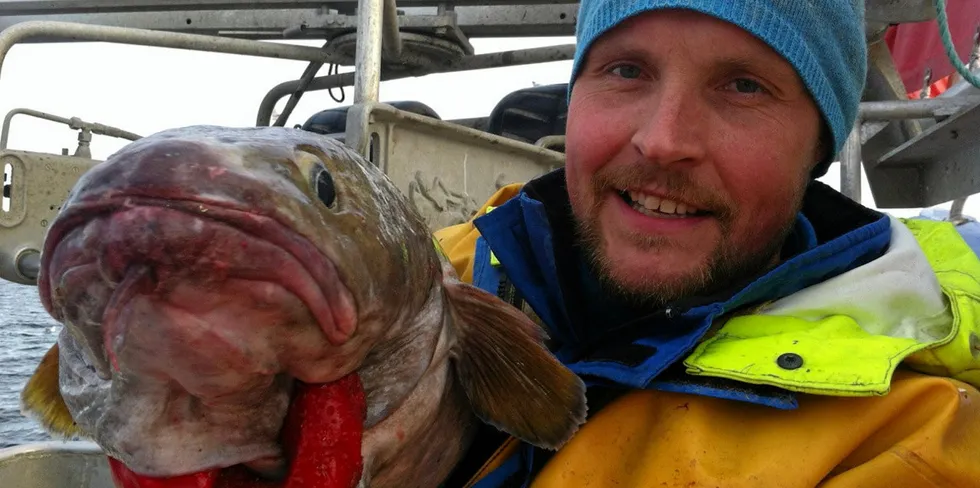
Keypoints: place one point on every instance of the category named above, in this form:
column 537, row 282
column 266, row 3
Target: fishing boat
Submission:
column 917, row 148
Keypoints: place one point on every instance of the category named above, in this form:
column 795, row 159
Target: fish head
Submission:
column 205, row 215
column 203, row 269
column 195, row 201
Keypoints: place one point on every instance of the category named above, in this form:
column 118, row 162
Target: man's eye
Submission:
column 744, row 85
column 626, row 71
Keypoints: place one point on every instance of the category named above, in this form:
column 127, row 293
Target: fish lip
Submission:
column 340, row 306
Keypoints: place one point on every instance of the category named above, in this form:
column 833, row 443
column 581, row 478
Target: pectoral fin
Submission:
column 41, row 398
column 512, row 381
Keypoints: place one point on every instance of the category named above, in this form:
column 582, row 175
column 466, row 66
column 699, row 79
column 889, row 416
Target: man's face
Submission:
column 689, row 145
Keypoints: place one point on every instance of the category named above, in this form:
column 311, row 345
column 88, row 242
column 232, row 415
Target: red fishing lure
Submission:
column 322, row 438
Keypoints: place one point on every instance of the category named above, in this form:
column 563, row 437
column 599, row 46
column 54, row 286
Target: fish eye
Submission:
column 323, row 184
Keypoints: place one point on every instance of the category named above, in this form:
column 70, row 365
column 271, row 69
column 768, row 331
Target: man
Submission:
column 738, row 323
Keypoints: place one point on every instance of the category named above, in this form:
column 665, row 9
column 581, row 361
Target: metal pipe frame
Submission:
column 480, row 61
column 850, row 160
column 317, row 24
column 928, row 108
column 304, row 79
column 192, row 42
column 891, row 11
column 74, row 123
column 101, row 129
column 391, row 37
column 367, row 76
column 32, row 7
column 391, row 45
column 26, row 111
column 956, row 212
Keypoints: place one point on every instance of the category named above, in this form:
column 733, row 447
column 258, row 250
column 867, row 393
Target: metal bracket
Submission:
column 942, row 159
column 885, row 84
column 466, row 166
column 39, row 185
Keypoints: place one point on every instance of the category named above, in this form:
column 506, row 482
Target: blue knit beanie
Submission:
column 823, row 39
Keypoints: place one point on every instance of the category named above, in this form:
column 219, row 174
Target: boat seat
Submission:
column 334, row 120
column 529, row 114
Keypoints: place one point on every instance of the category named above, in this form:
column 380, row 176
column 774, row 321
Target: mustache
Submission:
column 676, row 185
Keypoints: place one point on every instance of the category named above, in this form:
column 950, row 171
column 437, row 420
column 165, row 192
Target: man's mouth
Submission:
column 656, row 206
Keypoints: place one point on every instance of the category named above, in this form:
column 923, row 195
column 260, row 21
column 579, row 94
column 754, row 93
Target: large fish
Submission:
column 252, row 304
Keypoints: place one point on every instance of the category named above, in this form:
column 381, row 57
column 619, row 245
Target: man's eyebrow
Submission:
column 754, row 64
column 733, row 63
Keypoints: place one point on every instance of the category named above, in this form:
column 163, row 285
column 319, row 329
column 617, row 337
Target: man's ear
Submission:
column 825, row 144
column 822, row 155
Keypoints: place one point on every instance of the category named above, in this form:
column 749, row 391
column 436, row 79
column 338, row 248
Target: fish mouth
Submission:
column 232, row 395
column 311, row 275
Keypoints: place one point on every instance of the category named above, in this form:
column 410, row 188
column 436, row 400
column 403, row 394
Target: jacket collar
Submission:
column 532, row 236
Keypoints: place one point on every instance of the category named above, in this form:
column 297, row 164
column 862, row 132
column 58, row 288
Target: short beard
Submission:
column 726, row 265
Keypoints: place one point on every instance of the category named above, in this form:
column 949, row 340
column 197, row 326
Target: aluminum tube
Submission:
column 480, row 61
column 519, row 57
column 304, row 81
column 74, row 123
column 26, row 111
column 367, row 76
column 34, row 7
column 104, row 130
column 124, row 35
column 850, row 159
column 915, row 109
column 956, row 211
column 268, row 104
column 391, row 38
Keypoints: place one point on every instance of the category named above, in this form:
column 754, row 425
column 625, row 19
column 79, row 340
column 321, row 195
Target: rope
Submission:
column 333, row 70
column 954, row 58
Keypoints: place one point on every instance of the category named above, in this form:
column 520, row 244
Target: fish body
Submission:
column 207, row 277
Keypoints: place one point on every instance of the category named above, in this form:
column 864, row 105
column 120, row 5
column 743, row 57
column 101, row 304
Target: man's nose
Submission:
column 671, row 125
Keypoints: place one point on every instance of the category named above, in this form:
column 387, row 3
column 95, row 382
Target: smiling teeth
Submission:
column 656, row 204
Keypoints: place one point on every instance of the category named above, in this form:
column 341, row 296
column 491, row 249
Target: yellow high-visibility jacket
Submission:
column 862, row 374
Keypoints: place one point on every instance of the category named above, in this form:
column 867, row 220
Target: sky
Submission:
column 146, row 89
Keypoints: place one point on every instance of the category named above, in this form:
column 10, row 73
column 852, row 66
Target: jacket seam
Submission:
column 921, row 467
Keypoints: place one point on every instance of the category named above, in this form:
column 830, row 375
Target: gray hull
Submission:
column 54, row 465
